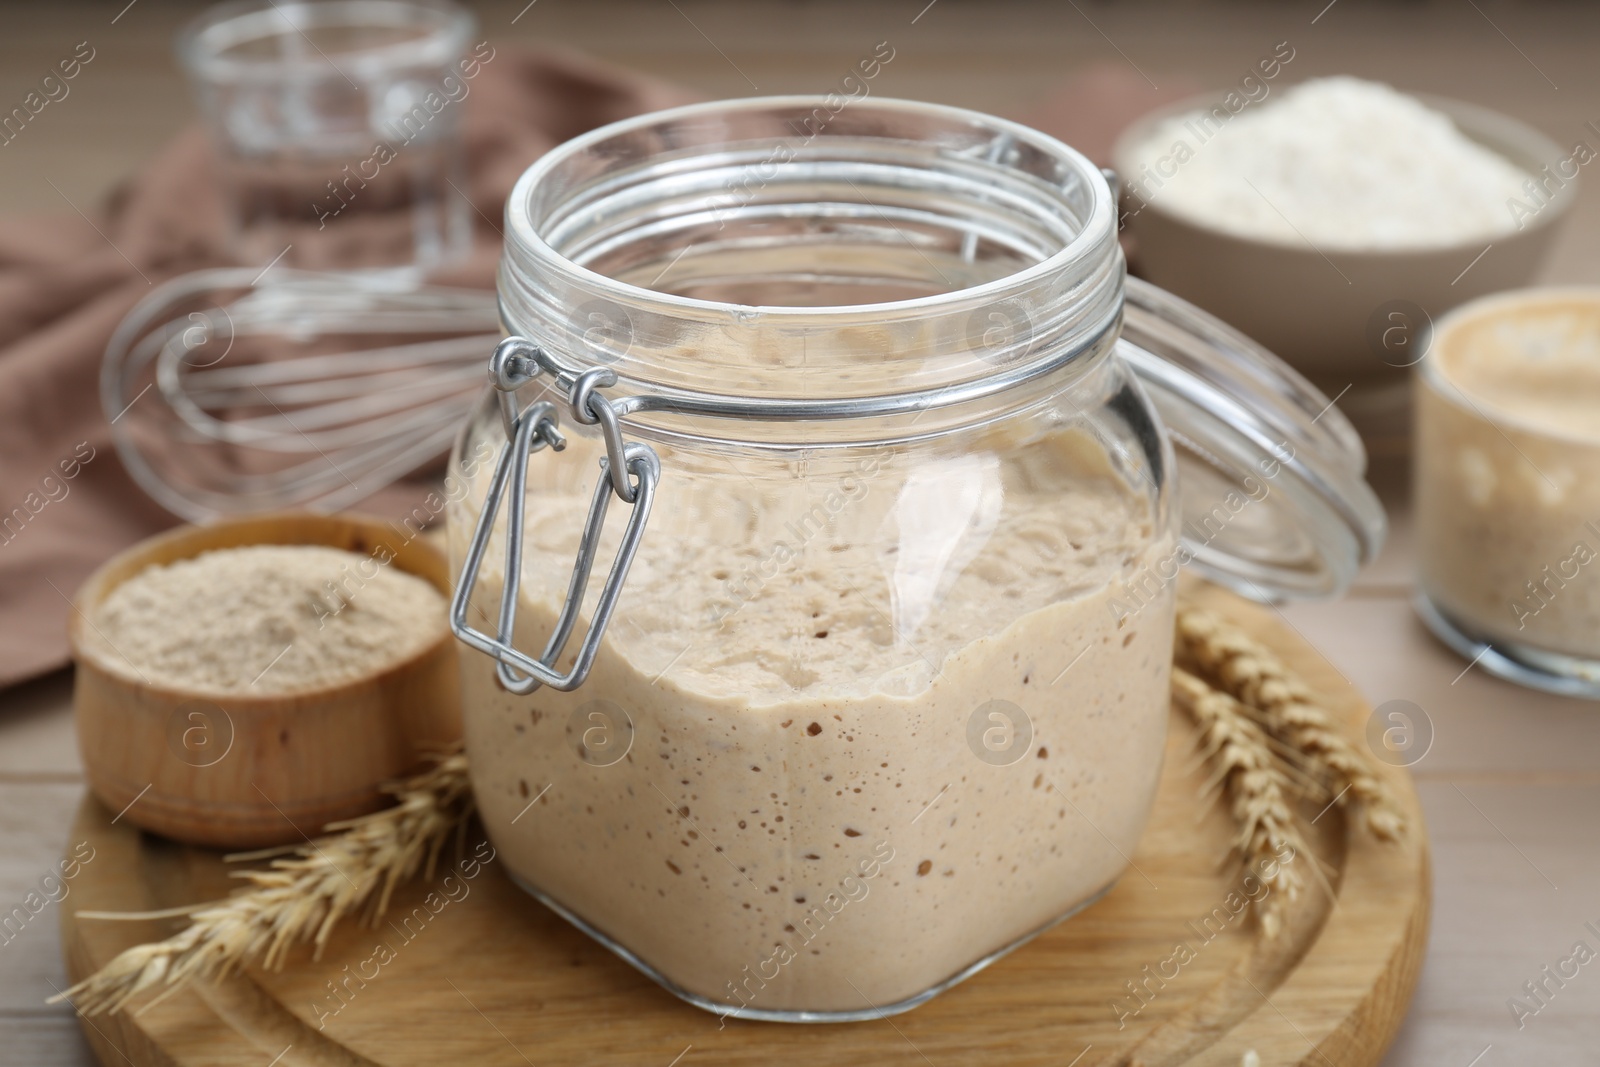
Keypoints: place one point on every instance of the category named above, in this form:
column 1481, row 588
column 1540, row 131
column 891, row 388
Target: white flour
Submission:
column 1339, row 162
column 266, row 619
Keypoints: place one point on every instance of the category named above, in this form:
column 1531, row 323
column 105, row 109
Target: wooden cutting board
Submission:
column 495, row 979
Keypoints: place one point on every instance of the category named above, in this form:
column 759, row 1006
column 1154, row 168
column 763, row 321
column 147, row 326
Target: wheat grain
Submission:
column 1290, row 711
column 1257, row 785
column 299, row 898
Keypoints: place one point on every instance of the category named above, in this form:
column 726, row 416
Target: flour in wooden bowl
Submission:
column 265, row 619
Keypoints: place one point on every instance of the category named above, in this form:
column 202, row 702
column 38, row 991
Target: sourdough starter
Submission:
column 1508, row 469
column 800, row 822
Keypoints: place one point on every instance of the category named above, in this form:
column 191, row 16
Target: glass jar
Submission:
column 337, row 129
column 873, row 686
column 1507, row 486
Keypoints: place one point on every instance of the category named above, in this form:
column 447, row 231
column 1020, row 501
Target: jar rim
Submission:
column 1099, row 226
column 205, row 43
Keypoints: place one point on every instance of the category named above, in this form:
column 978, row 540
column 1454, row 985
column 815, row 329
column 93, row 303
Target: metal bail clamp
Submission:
column 516, row 362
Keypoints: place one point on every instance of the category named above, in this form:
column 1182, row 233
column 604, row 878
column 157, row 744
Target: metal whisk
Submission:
column 229, row 393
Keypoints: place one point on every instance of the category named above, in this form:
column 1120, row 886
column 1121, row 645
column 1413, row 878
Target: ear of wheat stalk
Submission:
column 1290, row 711
column 1257, row 786
column 298, row 899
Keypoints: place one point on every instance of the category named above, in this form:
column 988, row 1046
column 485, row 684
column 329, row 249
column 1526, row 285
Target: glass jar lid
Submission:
column 1272, row 497
column 1271, row 489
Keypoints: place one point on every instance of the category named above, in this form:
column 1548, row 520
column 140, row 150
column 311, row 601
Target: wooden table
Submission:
column 1512, row 783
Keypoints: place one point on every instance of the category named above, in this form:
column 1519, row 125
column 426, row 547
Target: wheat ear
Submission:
column 299, row 898
column 1290, row 711
column 1257, row 787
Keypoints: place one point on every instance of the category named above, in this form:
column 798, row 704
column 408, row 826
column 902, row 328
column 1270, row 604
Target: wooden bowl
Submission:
column 244, row 770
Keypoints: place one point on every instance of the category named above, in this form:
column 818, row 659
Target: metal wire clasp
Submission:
column 516, row 362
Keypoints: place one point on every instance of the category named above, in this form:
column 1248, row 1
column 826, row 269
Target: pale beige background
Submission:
column 1512, row 784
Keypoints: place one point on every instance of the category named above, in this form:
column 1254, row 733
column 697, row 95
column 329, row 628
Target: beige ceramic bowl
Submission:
column 243, row 770
column 1326, row 312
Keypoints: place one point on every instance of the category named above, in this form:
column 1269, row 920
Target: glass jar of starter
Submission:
column 871, row 684
column 1507, row 486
